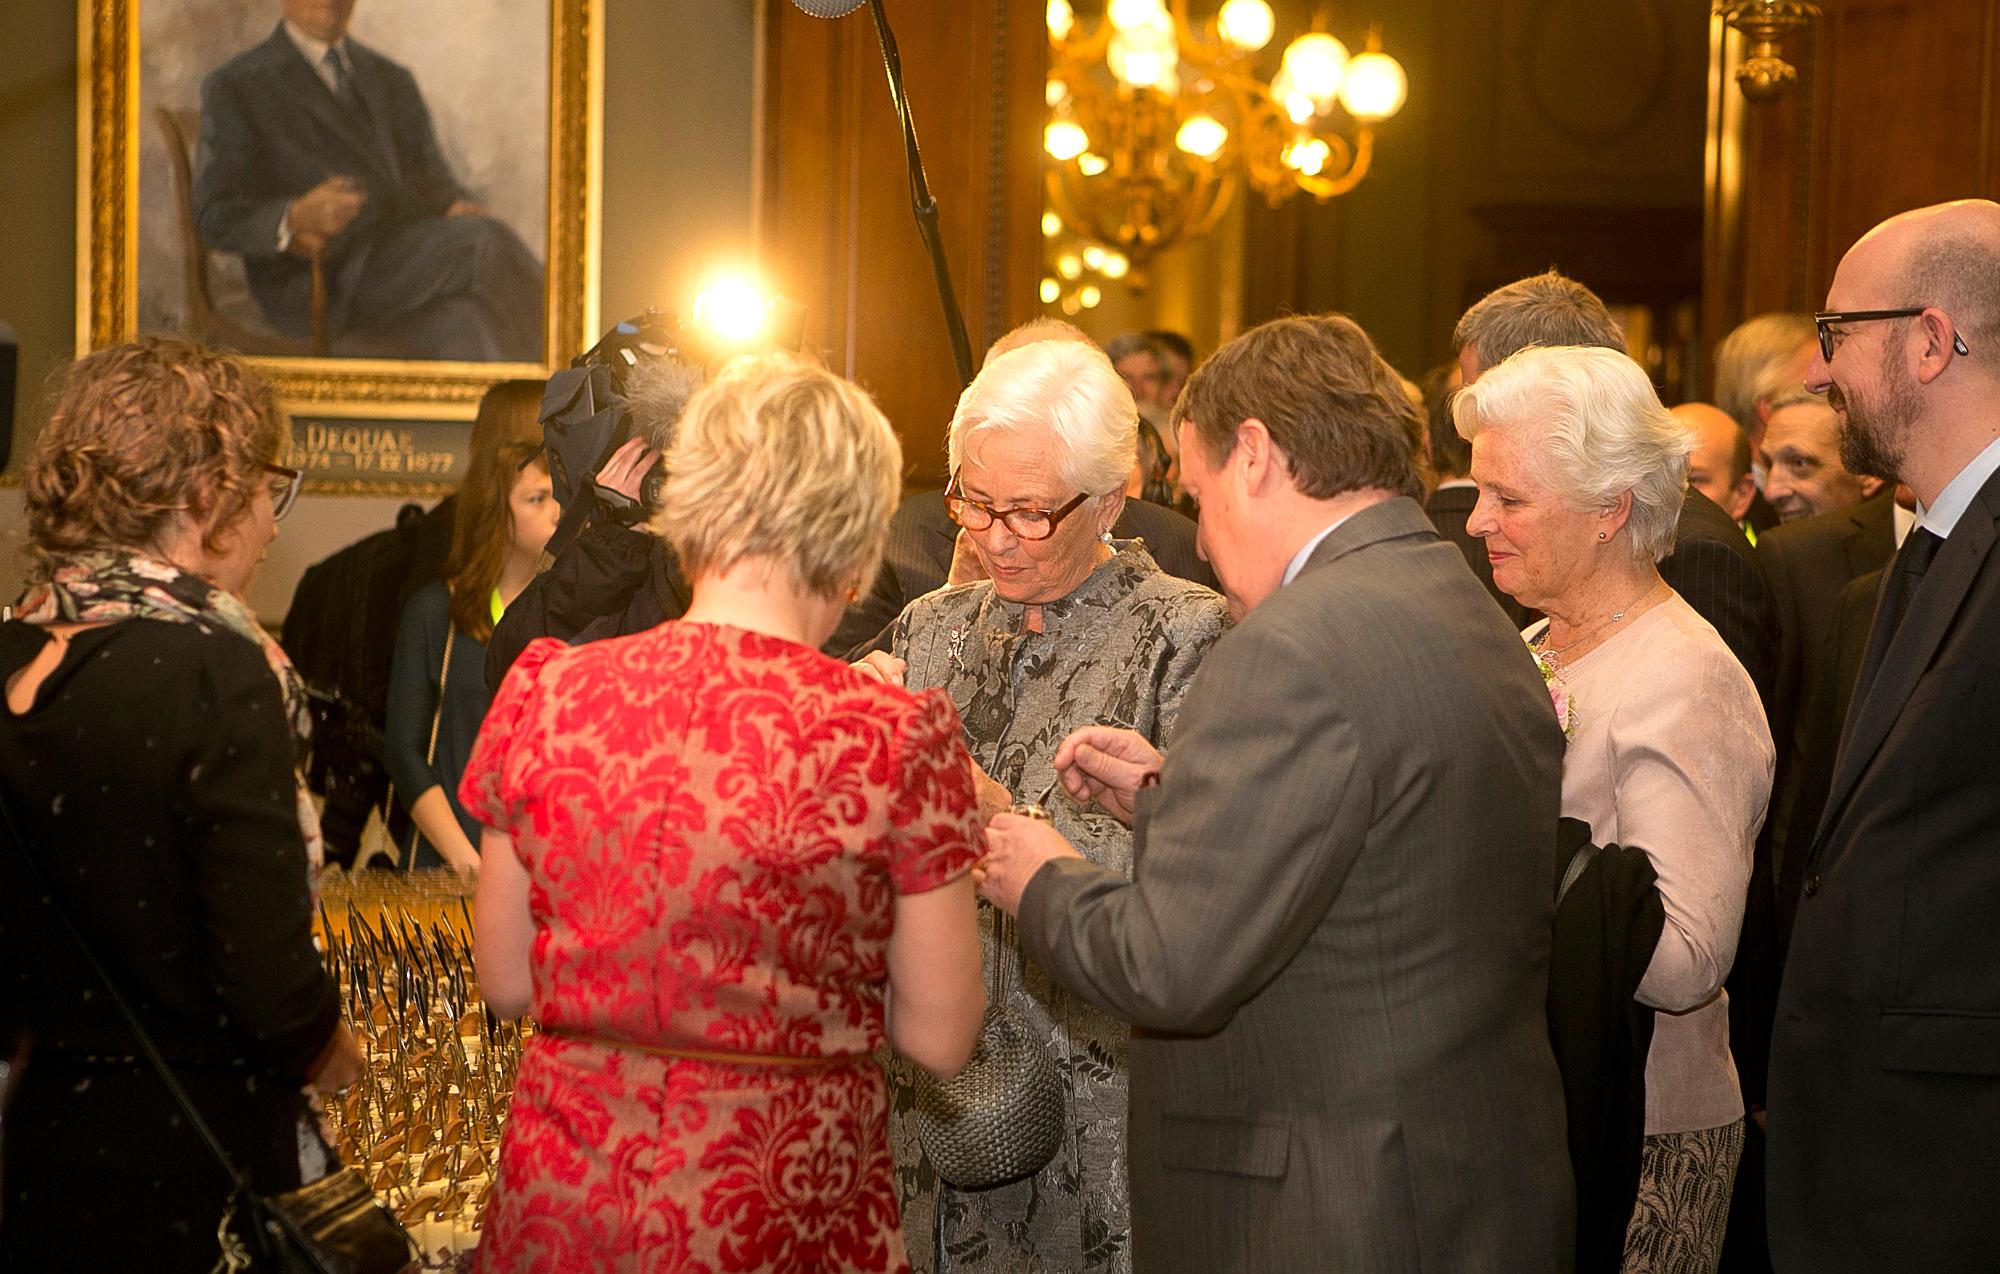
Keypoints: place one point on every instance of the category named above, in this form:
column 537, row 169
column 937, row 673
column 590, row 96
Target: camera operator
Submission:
column 615, row 576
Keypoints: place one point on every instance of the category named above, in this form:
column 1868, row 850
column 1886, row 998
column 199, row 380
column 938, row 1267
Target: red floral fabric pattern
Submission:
column 715, row 825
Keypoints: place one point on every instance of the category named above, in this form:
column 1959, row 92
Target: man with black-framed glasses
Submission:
column 1884, row 1087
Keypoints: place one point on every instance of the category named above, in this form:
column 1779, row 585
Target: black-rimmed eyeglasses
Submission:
column 284, row 487
column 1826, row 321
column 1026, row 524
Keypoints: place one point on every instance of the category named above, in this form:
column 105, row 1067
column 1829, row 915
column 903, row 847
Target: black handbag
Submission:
column 332, row 1226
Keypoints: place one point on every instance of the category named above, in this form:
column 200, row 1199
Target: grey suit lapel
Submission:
column 1888, row 675
column 1389, row 520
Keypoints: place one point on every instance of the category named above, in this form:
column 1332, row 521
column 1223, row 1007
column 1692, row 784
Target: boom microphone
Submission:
column 829, row 8
column 923, row 205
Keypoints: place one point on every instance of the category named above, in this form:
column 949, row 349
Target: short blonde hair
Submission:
column 1071, row 389
column 1602, row 430
column 142, row 433
column 779, row 459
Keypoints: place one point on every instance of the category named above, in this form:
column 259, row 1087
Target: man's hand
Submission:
column 467, row 208
column 323, row 212
column 1108, row 765
column 1016, row 848
column 882, row 666
column 626, row 471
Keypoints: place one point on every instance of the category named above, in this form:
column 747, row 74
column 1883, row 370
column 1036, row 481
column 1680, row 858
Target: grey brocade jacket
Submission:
column 1120, row 650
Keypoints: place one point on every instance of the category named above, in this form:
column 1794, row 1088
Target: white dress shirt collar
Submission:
column 314, row 52
column 1299, row 558
column 1956, row 498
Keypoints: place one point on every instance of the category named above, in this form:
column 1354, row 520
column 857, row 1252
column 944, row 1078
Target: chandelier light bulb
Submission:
column 1116, row 265
column 1051, row 224
column 1374, row 88
column 1064, row 140
column 1093, row 257
column 1143, row 58
column 1090, row 165
column 1069, row 265
column 1133, row 15
column 1055, row 93
column 1089, row 295
column 1315, row 63
column 1246, row 24
column 1061, row 19
column 1071, row 305
column 1051, row 291
column 1202, row 135
column 1308, row 155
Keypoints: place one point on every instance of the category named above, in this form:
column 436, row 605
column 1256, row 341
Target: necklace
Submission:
column 1552, row 656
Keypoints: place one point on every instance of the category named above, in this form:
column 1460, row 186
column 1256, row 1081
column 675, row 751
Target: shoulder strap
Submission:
column 12, row 834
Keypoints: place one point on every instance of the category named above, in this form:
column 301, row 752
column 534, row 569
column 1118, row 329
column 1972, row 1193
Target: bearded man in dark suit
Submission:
column 313, row 144
column 1885, row 1058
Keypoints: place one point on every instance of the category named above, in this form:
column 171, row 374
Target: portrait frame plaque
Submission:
column 112, row 132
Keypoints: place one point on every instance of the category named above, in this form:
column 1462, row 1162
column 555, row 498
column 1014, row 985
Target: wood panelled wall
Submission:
column 835, row 229
column 1894, row 109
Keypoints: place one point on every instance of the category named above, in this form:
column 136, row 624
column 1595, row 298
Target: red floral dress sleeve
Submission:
column 934, row 814
column 494, row 786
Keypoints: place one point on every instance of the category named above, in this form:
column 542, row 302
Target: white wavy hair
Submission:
column 1069, row 387
column 1602, row 429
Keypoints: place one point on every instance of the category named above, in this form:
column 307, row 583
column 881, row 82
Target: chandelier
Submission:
column 1155, row 120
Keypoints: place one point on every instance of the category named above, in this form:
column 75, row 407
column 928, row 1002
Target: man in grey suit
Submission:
column 314, row 144
column 1335, row 945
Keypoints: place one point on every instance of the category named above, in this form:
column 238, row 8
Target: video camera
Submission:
column 586, row 415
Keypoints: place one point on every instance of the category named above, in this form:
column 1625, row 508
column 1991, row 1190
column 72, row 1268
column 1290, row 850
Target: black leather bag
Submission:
column 331, row 1226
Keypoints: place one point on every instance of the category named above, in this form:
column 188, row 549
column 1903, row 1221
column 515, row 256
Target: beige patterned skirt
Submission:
column 1684, row 1184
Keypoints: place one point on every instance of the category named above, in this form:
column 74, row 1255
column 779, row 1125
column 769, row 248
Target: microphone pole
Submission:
column 923, row 205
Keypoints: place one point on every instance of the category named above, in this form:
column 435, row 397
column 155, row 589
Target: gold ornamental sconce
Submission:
column 1764, row 75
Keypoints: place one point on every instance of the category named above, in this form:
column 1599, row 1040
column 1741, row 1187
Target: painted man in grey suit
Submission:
column 314, row 144
column 1336, row 942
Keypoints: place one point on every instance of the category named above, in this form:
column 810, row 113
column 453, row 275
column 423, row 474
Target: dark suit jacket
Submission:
column 1808, row 563
column 1885, row 1062
column 918, row 558
column 1335, row 945
column 1449, row 509
column 1716, row 571
column 271, row 130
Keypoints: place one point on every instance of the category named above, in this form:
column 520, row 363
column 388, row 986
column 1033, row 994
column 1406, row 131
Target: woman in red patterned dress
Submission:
column 717, row 867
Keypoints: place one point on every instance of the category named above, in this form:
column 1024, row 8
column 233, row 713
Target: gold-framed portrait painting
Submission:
column 388, row 205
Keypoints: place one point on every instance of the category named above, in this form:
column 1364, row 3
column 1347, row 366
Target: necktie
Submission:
column 1911, row 562
column 343, row 87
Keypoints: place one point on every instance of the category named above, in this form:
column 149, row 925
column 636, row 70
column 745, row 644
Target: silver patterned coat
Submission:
column 1118, row 650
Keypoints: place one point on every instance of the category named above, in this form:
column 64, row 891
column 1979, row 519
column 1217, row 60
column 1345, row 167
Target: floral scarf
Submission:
column 104, row 587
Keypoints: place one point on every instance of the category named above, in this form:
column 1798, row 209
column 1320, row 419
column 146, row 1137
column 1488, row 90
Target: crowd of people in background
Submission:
column 1502, row 823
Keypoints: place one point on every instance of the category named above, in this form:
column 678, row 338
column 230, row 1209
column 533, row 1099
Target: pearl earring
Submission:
column 1601, row 535
column 1105, row 535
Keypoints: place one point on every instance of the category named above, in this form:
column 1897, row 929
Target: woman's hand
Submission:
column 626, row 471
column 338, row 1065
column 1016, row 848
column 882, row 666
column 1108, row 765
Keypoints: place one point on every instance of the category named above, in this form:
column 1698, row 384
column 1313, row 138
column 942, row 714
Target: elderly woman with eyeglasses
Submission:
column 1069, row 628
